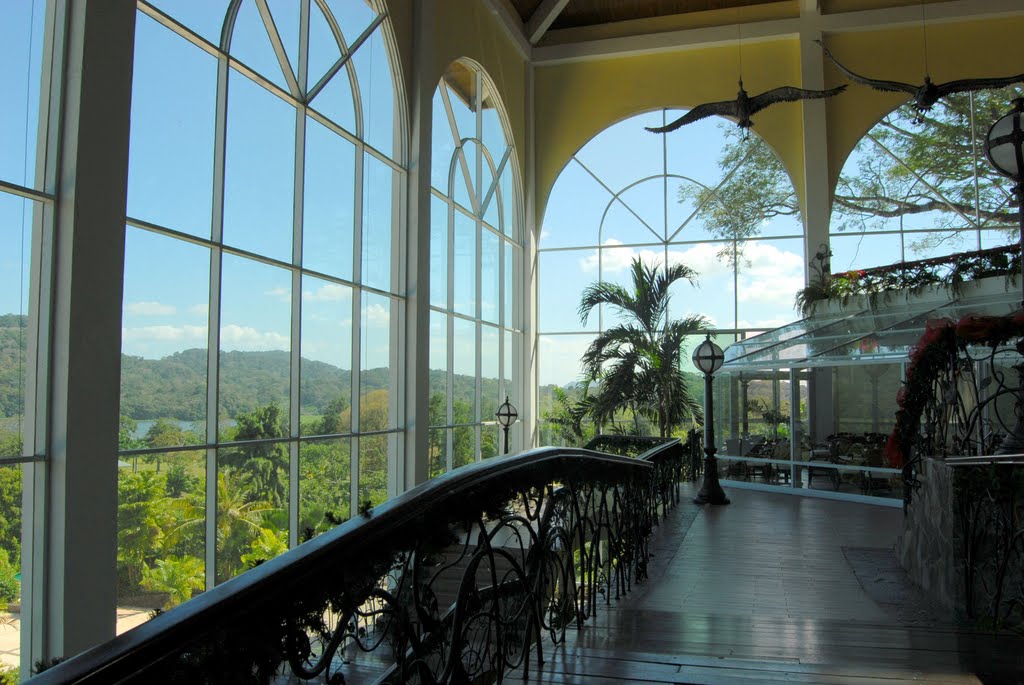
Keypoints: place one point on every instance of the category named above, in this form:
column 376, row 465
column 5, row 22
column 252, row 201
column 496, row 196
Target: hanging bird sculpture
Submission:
column 744, row 106
column 928, row 93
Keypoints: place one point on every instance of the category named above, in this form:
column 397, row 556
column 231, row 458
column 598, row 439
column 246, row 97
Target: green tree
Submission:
column 10, row 511
column 179, row 577
column 568, row 415
column 264, row 467
column 637, row 363
column 140, row 520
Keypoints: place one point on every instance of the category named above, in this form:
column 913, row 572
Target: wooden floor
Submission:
column 774, row 588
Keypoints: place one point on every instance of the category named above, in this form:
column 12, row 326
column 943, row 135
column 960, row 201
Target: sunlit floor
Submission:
column 779, row 588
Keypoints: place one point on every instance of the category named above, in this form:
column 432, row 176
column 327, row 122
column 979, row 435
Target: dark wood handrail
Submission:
column 392, row 523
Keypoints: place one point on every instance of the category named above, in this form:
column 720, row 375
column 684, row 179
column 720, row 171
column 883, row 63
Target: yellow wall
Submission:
column 955, row 50
column 575, row 102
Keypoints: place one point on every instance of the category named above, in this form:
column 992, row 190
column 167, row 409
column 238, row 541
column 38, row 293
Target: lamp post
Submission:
column 708, row 358
column 506, row 416
column 1004, row 148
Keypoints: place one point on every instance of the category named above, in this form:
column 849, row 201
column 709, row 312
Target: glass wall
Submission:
column 919, row 186
column 261, row 289
column 704, row 196
column 26, row 202
column 475, row 261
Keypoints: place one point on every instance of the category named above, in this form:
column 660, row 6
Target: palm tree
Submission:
column 637, row 363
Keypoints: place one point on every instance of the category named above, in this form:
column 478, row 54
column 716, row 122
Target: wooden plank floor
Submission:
column 761, row 591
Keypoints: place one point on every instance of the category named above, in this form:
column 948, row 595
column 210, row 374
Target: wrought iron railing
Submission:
column 989, row 494
column 461, row 579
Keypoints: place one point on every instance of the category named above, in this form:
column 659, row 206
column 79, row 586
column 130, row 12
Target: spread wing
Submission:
column 790, row 94
column 877, row 84
column 725, row 108
column 971, row 84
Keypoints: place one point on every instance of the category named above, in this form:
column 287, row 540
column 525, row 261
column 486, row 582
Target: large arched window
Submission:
column 920, row 187
column 261, row 291
column 475, row 258
column 704, row 195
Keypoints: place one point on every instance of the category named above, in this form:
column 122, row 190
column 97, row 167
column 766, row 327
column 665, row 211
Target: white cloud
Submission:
column 201, row 309
column 772, row 277
column 149, row 334
column 702, row 258
column 246, row 338
column 280, row 294
column 377, row 315
column 149, row 308
column 329, row 292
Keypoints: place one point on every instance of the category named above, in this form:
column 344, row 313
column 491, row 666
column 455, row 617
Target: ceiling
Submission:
column 580, row 13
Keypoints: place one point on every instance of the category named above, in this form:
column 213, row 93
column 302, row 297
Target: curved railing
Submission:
column 460, row 579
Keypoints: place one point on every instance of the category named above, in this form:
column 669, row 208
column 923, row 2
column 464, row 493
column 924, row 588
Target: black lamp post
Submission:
column 1004, row 148
column 708, row 358
column 506, row 416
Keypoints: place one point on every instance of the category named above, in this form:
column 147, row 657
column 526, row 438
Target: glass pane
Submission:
column 645, row 201
column 438, row 369
column 373, row 470
column 205, row 17
column 255, row 329
column 489, row 387
column 464, row 446
column 465, row 351
column 16, row 218
column 174, row 90
column 566, row 273
column 252, row 501
column 464, row 189
column 695, row 150
column 770, row 274
column 493, row 133
column 508, row 374
column 491, row 214
column 489, row 275
column 164, row 337
column 250, row 44
column 604, row 154
column 335, row 100
column 508, row 314
column 325, row 478
column 438, row 252
column 352, row 17
column 438, row 451
column 442, row 145
column 11, row 480
column 622, row 224
column 567, row 221
column 377, row 93
column 328, row 218
column 460, row 81
column 161, row 533
column 864, row 250
column 690, row 220
column 559, row 358
column 714, row 294
column 465, row 264
column 260, row 162
column 508, row 202
column 492, row 440
column 375, row 379
column 21, row 53
column 326, row 394
column 380, row 188
column 323, row 46
column 285, row 14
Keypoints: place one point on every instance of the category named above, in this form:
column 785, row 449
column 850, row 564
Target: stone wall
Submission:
column 929, row 549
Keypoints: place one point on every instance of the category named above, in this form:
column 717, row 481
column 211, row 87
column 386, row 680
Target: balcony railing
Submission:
column 461, row 579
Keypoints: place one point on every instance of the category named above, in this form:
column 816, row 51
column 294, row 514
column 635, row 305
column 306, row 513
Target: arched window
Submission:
column 705, row 195
column 261, row 291
column 915, row 188
column 475, row 258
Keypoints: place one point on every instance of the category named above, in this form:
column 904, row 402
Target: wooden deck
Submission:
column 777, row 588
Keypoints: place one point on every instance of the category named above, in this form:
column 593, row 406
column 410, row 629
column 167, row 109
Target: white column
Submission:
column 817, row 195
column 76, row 605
column 417, row 305
column 528, row 276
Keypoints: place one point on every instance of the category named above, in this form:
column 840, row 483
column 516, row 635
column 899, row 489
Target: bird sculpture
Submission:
column 928, row 93
column 744, row 106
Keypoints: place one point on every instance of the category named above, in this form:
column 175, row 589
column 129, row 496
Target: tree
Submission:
column 179, row 577
column 264, row 467
column 901, row 168
column 568, row 415
column 637, row 363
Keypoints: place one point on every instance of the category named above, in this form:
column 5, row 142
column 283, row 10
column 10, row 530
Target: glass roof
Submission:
column 881, row 336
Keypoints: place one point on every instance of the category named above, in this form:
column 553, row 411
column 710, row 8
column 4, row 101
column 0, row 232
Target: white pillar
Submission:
column 77, row 500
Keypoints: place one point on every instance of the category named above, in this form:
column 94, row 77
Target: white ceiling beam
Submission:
column 513, row 25
column 668, row 41
column 542, row 18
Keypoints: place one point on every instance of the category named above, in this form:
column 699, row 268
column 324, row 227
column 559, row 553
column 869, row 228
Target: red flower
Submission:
column 893, row 451
column 990, row 330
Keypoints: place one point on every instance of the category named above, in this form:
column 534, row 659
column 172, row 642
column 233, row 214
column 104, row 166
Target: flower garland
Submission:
column 936, row 352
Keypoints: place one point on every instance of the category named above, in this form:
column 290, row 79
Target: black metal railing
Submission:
column 461, row 579
column 989, row 494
